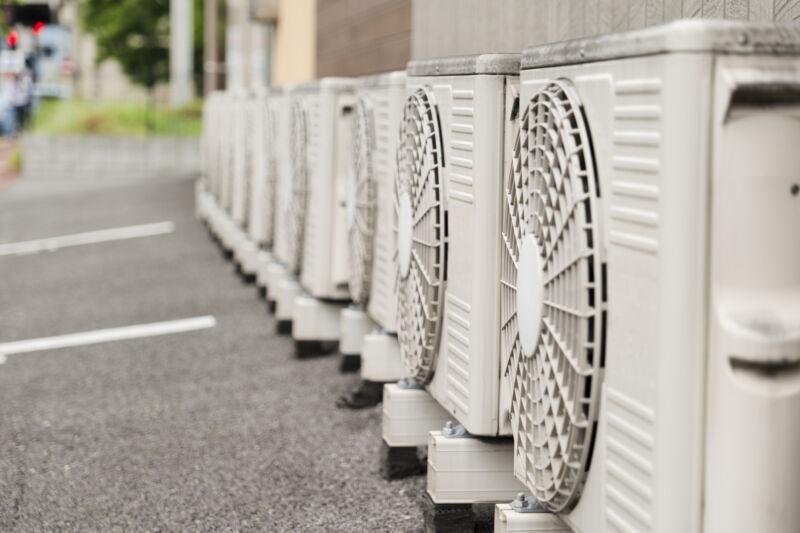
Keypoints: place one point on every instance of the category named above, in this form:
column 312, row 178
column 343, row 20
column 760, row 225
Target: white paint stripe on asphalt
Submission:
column 106, row 335
column 90, row 237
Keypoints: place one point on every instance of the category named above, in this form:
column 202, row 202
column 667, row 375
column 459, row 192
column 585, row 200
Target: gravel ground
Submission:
column 214, row 430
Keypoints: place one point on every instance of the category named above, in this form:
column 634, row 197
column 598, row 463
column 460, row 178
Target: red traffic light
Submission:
column 38, row 27
column 12, row 38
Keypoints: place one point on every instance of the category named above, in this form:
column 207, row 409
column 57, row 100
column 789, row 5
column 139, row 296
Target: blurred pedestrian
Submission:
column 8, row 119
column 23, row 96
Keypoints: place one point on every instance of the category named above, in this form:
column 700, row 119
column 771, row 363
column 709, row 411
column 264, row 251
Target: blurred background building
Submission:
column 295, row 40
column 249, row 43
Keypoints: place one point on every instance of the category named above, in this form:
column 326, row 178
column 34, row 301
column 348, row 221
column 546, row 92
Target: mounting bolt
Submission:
column 520, row 497
column 742, row 39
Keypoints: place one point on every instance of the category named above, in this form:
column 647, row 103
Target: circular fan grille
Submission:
column 553, row 347
column 420, row 235
column 299, row 188
column 361, row 204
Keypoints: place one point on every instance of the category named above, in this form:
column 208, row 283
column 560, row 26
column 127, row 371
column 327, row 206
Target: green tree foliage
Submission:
column 136, row 34
column 133, row 32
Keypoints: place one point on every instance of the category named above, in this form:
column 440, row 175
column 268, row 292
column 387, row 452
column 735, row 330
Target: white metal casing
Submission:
column 694, row 127
column 223, row 186
column 239, row 148
column 474, row 98
column 279, row 109
column 383, row 96
column 262, row 170
column 327, row 105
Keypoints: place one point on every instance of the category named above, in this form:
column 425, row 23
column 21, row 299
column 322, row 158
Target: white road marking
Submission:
column 90, row 237
column 106, row 335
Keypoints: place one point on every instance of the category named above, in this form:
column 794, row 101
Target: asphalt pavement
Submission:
column 218, row 429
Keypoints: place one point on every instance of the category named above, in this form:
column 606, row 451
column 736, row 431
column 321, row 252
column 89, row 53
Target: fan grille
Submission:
column 422, row 231
column 361, row 206
column 299, row 188
column 551, row 194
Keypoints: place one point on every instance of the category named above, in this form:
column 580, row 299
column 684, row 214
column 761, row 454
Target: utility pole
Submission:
column 180, row 52
column 211, row 47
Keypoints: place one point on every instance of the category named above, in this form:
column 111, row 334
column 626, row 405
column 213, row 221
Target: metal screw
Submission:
column 742, row 39
column 795, row 189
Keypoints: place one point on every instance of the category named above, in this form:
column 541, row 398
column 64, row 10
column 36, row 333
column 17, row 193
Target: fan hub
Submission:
column 405, row 228
column 530, row 291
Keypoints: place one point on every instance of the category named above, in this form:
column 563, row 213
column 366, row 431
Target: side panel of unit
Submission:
column 257, row 139
column 388, row 109
column 753, row 413
column 318, row 106
column 240, row 182
column 342, row 154
column 466, row 381
column 279, row 110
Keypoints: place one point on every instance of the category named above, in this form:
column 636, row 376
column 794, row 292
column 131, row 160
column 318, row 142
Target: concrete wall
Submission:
column 45, row 156
column 356, row 37
column 294, row 58
column 455, row 27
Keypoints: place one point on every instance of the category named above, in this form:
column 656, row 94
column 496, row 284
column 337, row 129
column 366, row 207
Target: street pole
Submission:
column 180, row 52
column 211, row 46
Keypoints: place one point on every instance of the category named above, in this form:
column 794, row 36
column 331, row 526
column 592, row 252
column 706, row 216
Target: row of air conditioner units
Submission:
column 591, row 247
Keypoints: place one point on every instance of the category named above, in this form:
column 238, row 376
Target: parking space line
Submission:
column 90, row 237
column 106, row 335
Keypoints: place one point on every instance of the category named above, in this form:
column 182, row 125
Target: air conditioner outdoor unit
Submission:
column 232, row 170
column 220, row 189
column 369, row 325
column 241, row 183
column 448, row 204
column 265, row 204
column 651, row 279
column 260, row 192
column 208, row 152
column 322, row 113
column 272, row 269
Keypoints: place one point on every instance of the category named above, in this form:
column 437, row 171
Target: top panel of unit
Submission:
column 465, row 65
column 397, row 77
column 322, row 84
column 716, row 36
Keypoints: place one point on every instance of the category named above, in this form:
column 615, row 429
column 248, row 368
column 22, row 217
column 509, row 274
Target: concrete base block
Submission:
column 316, row 320
column 471, row 470
column 507, row 520
column 380, row 358
column 263, row 260
column 355, row 324
column 245, row 255
column 276, row 274
column 288, row 290
column 409, row 415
